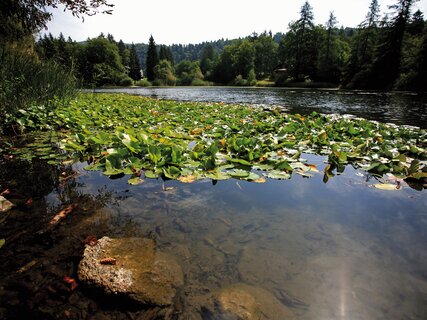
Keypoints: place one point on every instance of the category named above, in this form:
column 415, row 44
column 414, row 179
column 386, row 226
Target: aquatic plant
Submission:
column 123, row 134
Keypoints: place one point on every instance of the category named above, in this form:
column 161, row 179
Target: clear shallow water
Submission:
column 399, row 108
column 340, row 250
column 344, row 250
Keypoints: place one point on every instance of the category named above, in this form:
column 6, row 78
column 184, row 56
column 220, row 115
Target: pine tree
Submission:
column 134, row 65
column 152, row 59
column 363, row 47
column 386, row 67
column 124, row 54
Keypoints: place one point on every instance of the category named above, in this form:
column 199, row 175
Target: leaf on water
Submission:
column 187, row 179
column 260, row 180
column 135, row 181
column 387, row 186
column 312, row 167
column 278, row 175
column 238, row 173
column 151, row 175
column 2, row 242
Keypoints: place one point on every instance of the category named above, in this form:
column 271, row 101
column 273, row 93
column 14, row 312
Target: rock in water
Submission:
column 139, row 271
column 244, row 302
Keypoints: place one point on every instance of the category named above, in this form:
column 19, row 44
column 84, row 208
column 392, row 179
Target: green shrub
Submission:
column 143, row 83
column 125, row 81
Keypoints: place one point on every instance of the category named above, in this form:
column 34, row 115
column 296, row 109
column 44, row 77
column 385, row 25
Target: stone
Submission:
column 245, row 302
column 139, row 271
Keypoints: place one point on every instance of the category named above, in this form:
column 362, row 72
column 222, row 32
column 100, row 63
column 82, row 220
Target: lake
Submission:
column 307, row 247
column 399, row 108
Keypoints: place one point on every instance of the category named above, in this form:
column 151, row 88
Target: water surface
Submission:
column 399, row 108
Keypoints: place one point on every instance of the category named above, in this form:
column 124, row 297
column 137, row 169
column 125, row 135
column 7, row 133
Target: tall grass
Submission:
column 25, row 81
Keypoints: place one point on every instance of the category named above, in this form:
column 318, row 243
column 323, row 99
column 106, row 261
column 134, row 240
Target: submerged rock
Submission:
column 131, row 267
column 244, row 302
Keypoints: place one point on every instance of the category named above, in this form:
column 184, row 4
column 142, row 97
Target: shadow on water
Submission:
column 399, row 108
column 340, row 250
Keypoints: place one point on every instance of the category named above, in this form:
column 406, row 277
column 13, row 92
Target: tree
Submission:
column 207, row 59
column 386, row 67
column 299, row 48
column 165, row 54
column 163, row 73
column 21, row 18
column 363, row 48
column 188, row 73
column 134, row 66
column 332, row 53
column 124, row 53
column 265, row 55
column 100, row 63
column 152, row 59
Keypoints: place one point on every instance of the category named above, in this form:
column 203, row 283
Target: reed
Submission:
column 25, row 81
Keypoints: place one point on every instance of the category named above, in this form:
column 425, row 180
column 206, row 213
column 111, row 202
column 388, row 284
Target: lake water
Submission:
column 399, row 108
column 336, row 250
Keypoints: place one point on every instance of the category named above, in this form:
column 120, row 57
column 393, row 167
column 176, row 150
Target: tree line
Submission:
column 381, row 53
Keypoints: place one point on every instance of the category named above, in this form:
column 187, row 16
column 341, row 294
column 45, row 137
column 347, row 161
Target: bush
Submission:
column 143, row 83
column 24, row 81
column 126, row 81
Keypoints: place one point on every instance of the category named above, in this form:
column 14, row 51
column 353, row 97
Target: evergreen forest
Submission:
column 382, row 53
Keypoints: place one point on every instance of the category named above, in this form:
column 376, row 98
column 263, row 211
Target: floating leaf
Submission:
column 387, row 186
column 278, row 175
column 135, row 181
column 187, row 179
column 2, row 242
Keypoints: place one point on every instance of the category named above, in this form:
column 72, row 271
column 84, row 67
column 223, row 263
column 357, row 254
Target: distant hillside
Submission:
column 190, row 52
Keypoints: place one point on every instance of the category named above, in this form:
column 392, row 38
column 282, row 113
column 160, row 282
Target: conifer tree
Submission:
column 134, row 65
column 152, row 59
column 386, row 67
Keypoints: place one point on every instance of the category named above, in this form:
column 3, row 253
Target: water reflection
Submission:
column 399, row 108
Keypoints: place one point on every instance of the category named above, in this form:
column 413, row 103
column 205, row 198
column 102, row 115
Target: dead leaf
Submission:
column 71, row 282
column 62, row 214
column 387, row 186
column 312, row 167
column 187, row 179
column 5, row 205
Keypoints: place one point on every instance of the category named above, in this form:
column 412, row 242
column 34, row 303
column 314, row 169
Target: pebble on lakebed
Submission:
column 140, row 272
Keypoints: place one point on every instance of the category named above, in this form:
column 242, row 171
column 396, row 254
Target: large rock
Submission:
column 244, row 302
column 140, row 272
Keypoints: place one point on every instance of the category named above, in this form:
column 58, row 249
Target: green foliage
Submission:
column 189, row 73
column 123, row 134
column 299, row 48
column 25, row 82
column 143, row 83
column 99, row 63
column 164, row 75
column 265, row 55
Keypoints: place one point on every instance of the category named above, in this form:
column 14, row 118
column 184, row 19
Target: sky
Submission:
column 196, row 21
